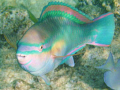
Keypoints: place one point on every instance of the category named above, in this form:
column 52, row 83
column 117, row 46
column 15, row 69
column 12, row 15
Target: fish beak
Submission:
column 20, row 56
column 22, row 59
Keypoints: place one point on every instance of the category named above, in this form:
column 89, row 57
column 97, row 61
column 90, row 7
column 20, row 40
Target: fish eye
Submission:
column 41, row 47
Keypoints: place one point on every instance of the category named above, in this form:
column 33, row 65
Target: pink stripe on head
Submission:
column 102, row 16
column 67, row 10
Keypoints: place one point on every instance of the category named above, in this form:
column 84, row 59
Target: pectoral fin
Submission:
column 57, row 62
column 70, row 62
column 45, row 79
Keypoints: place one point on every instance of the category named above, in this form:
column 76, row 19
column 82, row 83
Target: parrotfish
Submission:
column 61, row 30
column 112, row 76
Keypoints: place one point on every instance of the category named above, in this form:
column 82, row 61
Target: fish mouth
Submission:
column 20, row 56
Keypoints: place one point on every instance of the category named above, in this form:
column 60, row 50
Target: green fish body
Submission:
column 61, row 30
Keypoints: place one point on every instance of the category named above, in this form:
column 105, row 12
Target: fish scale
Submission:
column 61, row 31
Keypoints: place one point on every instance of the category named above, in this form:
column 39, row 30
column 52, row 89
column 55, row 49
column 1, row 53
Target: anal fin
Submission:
column 45, row 79
column 70, row 62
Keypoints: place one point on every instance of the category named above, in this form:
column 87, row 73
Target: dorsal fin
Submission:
column 64, row 10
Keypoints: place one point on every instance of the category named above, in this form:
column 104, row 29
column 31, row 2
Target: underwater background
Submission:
column 14, row 21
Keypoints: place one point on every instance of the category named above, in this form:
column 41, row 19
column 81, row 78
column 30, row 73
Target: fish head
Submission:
column 33, row 52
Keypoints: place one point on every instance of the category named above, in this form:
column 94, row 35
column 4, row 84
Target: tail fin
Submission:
column 102, row 30
column 109, row 64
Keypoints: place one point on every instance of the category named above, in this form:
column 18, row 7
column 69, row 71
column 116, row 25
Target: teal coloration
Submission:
column 28, row 62
column 28, row 52
column 29, row 44
column 36, row 45
column 104, row 27
column 33, row 51
column 31, row 68
column 62, row 30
